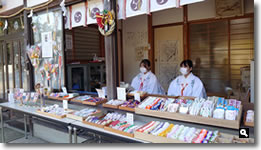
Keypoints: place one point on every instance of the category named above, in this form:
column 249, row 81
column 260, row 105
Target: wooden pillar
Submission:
column 120, row 51
column 29, row 68
column 151, row 43
column 185, row 32
column 111, row 55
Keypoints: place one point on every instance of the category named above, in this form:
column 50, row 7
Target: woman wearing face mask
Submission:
column 187, row 84
column 146, row 81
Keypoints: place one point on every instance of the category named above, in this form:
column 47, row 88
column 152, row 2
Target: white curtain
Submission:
column 121, row 9
column 78, row 15
column 137, row 7
column 157, row 5
column 93, row 8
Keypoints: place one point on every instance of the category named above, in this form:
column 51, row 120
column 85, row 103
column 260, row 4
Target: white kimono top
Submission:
column 148, row 83
column 190, row 86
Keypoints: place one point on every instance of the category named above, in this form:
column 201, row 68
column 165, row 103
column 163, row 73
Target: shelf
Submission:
column 79, row 118
column 93, row 124
column 233, row 124
column 60, row 98
column 94, row 103
column 110, row 106
column 118, row 131
column 53, row 115
column 222, row 138
column 154, row 139
column 127, row 109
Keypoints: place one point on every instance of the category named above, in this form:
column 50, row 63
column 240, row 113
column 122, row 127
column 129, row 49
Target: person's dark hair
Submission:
column 187, row 63
column 146, row 63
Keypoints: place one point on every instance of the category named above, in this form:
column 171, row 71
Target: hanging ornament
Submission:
column 31, row 14
column 6, row 25
column 62, row 5
column 106, row 22
column 16, row 25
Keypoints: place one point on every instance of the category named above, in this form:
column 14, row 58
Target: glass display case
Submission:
column 86, row 77
column 48, row 36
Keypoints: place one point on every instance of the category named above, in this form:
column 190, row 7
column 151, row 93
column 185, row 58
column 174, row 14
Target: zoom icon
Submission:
column 244, row 133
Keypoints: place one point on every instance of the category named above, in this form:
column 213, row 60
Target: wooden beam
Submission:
column 11, row 11
column 208, row 20
column 229, row 51
column 111, row 56
column 168, row 25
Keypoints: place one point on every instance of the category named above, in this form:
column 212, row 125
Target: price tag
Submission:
column 64, row 90
column 101, row 93
column 137, row 96
column 130, row 118
column 65, row 104
column 121, row 93
column 21, row 90
column 104, row 91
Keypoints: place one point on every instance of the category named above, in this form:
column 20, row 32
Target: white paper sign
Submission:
column 137, row 96
column 11, row 98
column 121, row 93
column 101, row 93
column 130, row 118
column 64, row 90
column 47, row 44
column 104, row 90
column 157, row 5
column 65, row 104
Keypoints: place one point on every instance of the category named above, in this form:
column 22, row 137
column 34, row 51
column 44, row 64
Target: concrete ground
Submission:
column 29, row 140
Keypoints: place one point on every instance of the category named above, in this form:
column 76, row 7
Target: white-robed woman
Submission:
column 146, row 81
column 187, row 84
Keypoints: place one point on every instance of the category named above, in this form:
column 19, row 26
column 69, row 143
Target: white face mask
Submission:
column 183, row 70
column 143, row 70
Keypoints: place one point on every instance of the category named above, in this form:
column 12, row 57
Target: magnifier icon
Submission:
column 243, row 132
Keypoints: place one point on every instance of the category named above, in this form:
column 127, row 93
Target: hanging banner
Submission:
column 156, row 5
column 67, row 19
column 93, row 8
column 121, row 9
column 78, row 15
column 185, row 2
column 137, row 7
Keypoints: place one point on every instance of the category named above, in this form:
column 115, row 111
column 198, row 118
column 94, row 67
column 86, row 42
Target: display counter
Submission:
column 140, row 115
